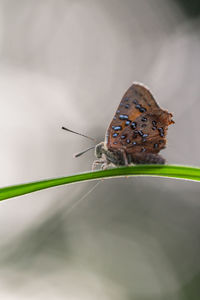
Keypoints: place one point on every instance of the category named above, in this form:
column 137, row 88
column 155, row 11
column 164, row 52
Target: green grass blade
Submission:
column 170, row 171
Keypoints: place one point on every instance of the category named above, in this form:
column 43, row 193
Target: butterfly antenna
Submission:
column 81, row 153
column 88, row 137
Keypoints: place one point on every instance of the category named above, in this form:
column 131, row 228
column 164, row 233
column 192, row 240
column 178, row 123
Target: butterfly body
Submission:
column 137, row 132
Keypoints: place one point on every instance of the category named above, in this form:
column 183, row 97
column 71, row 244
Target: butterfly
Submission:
column 137, row 131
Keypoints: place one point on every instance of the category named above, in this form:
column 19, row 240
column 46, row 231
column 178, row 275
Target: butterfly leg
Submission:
column 107, row 165
column 97, row 162
column 124, row 155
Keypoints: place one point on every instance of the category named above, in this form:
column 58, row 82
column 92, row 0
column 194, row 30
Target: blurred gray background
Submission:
column 68, row 62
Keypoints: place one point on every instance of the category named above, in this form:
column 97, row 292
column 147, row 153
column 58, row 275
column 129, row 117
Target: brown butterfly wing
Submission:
column 139, row 124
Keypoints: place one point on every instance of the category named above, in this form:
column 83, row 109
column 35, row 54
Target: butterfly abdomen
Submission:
column 148, row 158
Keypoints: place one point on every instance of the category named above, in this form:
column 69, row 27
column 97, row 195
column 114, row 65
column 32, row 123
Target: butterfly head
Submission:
column 99, row 150
column 108, row 156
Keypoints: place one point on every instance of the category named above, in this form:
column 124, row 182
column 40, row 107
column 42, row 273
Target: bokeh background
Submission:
column 68, row 62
